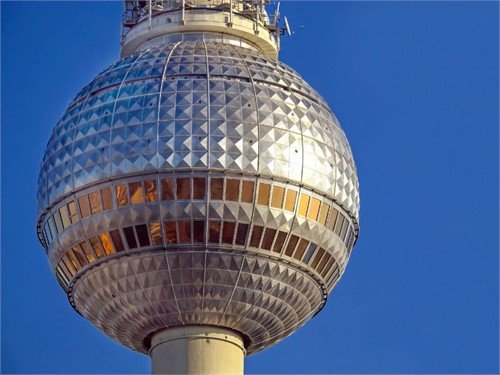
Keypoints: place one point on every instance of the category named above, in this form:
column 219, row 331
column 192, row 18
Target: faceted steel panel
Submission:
column 198, row 183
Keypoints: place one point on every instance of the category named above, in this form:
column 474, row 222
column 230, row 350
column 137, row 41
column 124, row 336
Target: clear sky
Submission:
column 415, row 86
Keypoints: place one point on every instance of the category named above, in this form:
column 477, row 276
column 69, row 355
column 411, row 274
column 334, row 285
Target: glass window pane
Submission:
column 73, row 215
column 82, row 259
column 142, row 235
column 314, row 209
column 247, row 191
column 65, row 217
column 317, row 258
column 256, row 236
column 151, row 191
column 155, row 232
column 232, row 190
column 291, row 197
column 199, row 230
column 106, row 243
column 58, row 221
column 291, row 245
column 167, row 189
column 216, row 188
column 107, row 199
column 324, row 271
column 117, row 240
column 184, row 231
column 228, row 232
column 280, row 240
column 88, row 253
column 214, row 231
column 183, row 188
column 74, row 260
column 264, row 190
column 301, row 249
column 344, row 229
column 303, row 203
column 83, row 202
column 95, row 202
column 62, row 275
column 267, row 241
column 241, row 234
column 323, row 262
column 121, row 195
column 97, row 246
column 65, row 270
column 136, row 196
column 277, row 198
column 199, row 188
column 69, row 265
column 310, row 251
column 333, row 218
column 171, row 232
column 338, row 225
column 130, row 237
column 323, row 213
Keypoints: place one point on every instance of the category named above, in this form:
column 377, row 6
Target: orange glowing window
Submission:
column 88, row 253
column 277, row 197
column 291, row 245
column 79, row 255
column 183, row 188
column 264, row 191
column 167, row 189
column 267, row 241
column 256, row 236
column 142, row 235
column 107, row 244
column 107, row 199
column 121, row 195
column 73, row 215
column 199, row 188
column 333, row 218
column 228, row 232
column 95, row 202
column 280, row 240
column 323, row 213
column 136, row 195
column 83, row 202
column 241, row 234
column 216, row 188
column 232, row 190
column 171, row 232
column 214, row 231
column 155, row 232
column 199, row 230
column 314, row 209
column 303, row 203
column 117, row 240
column 130, row 237
column 291, row 197
column 184, row 231
column 151, row 190
column 74, row 260
column 301, row 249
column 65, row 217
column 247, row 191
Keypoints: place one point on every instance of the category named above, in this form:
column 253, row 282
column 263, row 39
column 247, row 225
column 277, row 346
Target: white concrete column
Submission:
column 197, row 350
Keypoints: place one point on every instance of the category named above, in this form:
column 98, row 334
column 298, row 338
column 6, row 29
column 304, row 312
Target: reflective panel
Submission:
column 267, row 241
column 280, row 240
column 256, row 236
column 83, row 203
column 198, row 188
column 303, row 204
column 332, row 219
column 69, row 265
column 73, row 215
column 232, row 190
column 74, row 260
column 107, row 244
column 291, row 245
column 291, row 197
column 58, row 221
column 247, row 191
column 317, row 258
column 314, row 209
column 167, row 189
column 216, row 188
column 65, row 217
column 77, row 251
column 228, row 232
column 310, row 251
column 151, row 191
column 325, row 207
column 143, row 235
column 184, row 231
column 199, row 231
column 171, row 232
column 277, row 198
column 183, row 188
column 107, row 199
column 130, row 237
column 301, row 249
column 338, row 224
column 117, row 240
column 88, row 253
column 136, row 195
column 95, row 202
column 214, row 231
column 241, row 234
column 264, row 191
column 121, row 195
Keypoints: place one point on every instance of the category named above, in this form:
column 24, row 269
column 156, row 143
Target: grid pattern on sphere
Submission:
column 198, row 105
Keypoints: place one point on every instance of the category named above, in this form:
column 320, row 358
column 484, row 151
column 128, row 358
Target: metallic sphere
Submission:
column 198, row 183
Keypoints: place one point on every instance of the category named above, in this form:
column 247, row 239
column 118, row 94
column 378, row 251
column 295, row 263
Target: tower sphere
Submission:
column 198, row 181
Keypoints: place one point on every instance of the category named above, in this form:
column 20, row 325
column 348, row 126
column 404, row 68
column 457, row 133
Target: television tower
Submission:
column 198, row 200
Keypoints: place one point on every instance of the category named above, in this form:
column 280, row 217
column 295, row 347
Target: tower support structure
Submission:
column 197, row 350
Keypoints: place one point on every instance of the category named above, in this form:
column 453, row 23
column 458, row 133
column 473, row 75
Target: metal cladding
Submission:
column 194, row 183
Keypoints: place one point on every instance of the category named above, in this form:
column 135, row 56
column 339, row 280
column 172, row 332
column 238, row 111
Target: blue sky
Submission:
column 415, row 86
